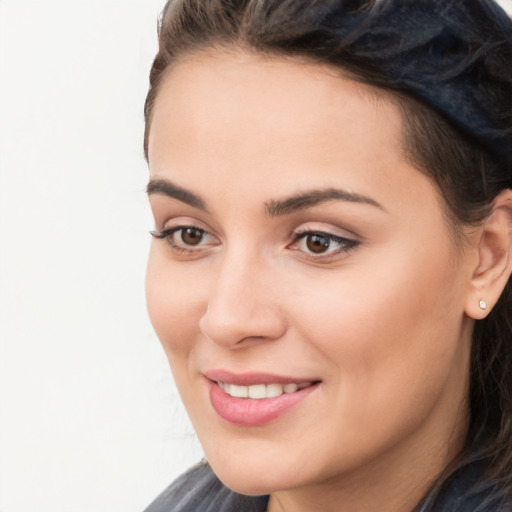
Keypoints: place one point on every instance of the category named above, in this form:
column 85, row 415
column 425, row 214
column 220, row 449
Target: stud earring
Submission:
column 483, row 304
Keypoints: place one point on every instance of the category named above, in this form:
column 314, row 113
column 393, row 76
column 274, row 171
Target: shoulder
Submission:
column 470, row 490
column 199, row 490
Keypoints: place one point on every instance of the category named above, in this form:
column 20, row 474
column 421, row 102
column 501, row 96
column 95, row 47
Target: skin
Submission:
column 383, row 324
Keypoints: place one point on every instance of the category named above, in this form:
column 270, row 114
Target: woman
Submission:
column 330, row 182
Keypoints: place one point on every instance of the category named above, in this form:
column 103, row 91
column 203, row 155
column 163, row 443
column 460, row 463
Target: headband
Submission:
column 455, row 55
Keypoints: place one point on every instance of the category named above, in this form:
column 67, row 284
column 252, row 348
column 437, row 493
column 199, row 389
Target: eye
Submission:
column 191, row 236
column 186, row 238
column 318, row 243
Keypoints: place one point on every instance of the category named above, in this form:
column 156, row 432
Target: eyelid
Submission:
column 169, row 225
column 182, row 248
column 166, row 232
column 323, row 230
column 180, row 221
column 346, row 243
column 327, row 229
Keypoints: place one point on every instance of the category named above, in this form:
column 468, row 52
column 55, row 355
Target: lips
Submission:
column 255, row 399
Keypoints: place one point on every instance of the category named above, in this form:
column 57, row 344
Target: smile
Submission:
column 255, row 399
column 261, row 391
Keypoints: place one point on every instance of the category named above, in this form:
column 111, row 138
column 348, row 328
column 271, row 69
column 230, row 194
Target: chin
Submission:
column 250, row 483
column 259, row 472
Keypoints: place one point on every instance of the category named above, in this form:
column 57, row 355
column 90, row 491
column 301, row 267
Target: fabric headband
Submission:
column 455, row 55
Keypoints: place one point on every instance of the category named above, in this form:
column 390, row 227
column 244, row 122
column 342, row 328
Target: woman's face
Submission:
column 306, row 287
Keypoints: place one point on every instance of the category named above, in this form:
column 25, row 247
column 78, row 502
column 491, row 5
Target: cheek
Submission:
column 392, row 329
column 174, row 302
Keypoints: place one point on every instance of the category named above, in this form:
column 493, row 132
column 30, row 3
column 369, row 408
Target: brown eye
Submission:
column 317, row 243
column 192, row 236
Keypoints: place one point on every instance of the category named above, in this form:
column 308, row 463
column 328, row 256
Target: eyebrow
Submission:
column 169, row 189
column 273, row 208
column 312, row 198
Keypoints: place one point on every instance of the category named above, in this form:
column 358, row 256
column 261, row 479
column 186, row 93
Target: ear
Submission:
column 494, row 258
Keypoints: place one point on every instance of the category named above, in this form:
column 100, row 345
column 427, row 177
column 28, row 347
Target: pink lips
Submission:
column 248, row 411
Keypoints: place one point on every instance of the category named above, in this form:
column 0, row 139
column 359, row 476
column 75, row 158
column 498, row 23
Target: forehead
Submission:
column 229, row 123
column 292, row 103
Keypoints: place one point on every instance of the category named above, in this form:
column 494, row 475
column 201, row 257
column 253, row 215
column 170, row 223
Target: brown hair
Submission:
column 467, row 172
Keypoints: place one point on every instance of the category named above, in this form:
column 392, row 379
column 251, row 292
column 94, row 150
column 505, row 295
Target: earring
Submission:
column 483, row 304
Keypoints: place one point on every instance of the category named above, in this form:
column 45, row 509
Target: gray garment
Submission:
column 199, row 490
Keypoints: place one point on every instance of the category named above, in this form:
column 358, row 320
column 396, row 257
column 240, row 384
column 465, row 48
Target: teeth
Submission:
column 260, row 391
column 238, row 391
column 274, row 390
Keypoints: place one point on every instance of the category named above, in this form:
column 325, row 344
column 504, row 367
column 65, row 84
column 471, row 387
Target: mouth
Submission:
column 256, row 399
column 262, row 391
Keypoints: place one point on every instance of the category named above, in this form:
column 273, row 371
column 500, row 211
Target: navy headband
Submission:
column 456, row 55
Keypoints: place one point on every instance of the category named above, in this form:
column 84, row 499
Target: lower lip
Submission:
column 251, row 412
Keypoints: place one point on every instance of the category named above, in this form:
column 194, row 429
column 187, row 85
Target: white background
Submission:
column 89, row 417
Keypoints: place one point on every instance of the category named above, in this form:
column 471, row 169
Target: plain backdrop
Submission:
column 89, row 417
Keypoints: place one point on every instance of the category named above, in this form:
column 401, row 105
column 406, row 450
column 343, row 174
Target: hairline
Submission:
column 400, row 99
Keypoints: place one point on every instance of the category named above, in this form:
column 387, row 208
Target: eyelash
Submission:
column 167, row 235
column 346, row 244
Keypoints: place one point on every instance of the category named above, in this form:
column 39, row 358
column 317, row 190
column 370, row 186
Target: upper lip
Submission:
column 253, row 378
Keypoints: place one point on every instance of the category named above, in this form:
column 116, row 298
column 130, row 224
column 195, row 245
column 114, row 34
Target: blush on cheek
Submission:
column 173, row 311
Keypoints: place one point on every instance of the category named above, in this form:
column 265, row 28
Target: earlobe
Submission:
column 494, row 262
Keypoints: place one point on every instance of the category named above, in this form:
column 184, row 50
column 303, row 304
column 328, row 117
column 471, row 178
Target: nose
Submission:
column 243, row 305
